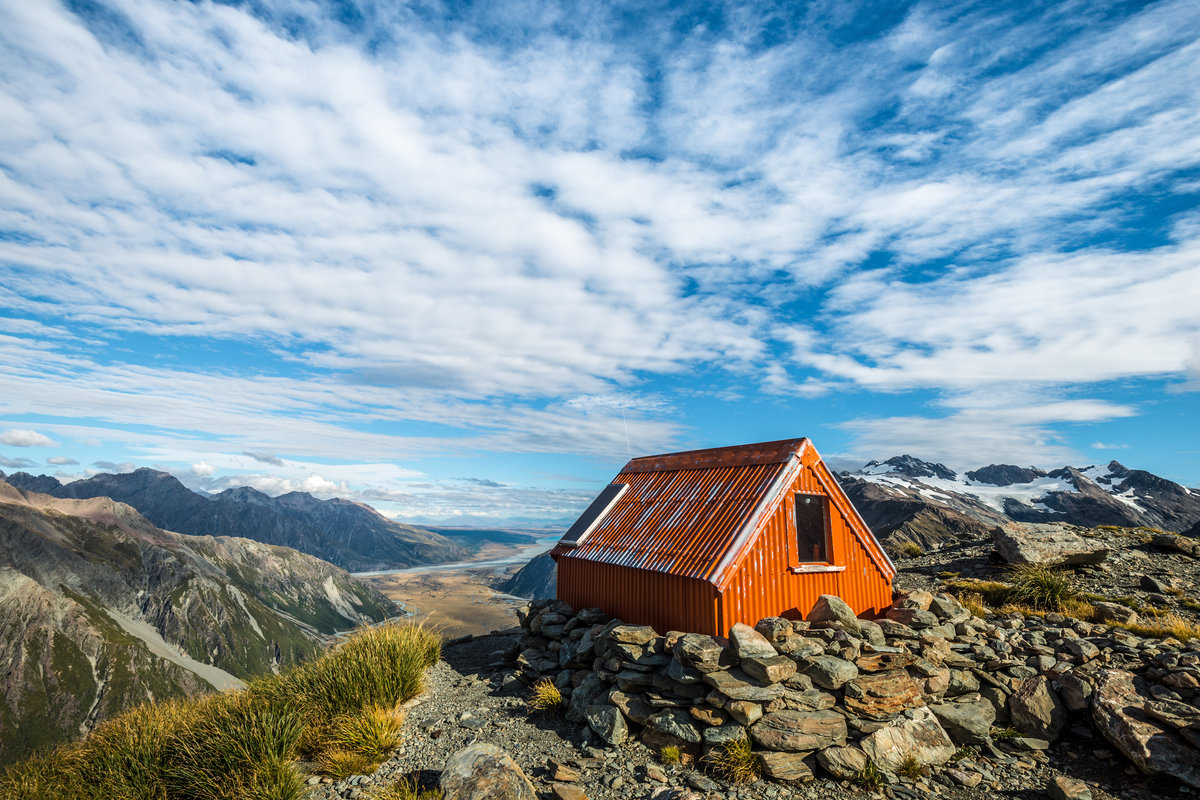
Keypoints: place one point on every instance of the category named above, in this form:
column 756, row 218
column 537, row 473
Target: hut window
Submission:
column 810, row 528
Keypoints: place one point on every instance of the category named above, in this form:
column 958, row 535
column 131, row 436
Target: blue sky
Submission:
column 461, row 260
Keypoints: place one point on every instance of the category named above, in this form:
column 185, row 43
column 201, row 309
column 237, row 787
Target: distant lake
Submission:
column 540, row 545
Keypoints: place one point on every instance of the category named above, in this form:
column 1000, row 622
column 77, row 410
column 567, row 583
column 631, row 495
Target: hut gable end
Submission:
column 702, row 539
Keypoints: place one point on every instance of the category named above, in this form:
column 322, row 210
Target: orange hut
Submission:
column 698, row 541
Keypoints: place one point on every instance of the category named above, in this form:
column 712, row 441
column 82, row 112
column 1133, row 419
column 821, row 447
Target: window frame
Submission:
column 798, row 566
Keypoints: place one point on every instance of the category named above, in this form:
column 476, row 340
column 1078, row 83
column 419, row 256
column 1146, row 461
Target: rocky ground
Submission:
column 475, row 695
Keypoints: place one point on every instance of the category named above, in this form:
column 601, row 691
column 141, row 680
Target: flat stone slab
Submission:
column 1049, row 544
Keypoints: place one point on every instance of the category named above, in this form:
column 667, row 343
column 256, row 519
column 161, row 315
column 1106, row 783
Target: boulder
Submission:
column 1051, row 544
column 744, row 712
column 774, row 669
column 749, row 643
column 632, row 634
column 843, row 763
column 1035, row 709
column 785, row 767
column 677, row 723
column 1060, row 787
column 608, row 723
column 914, row 618
column 878, row 695
column 774, row 629
column 1118, row 710
column 737, row 685
column 703, row 653
column 919, row 736
column 484, row 772
column 1114, row 612
column 633, row 706
column 831, row 608
column 967, row 723
column 829, row 672
column 799, row 731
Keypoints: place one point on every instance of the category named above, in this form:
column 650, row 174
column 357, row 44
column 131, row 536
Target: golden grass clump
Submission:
column 373, row 732
column 869, row 777
column 736, row 761
column 910, row 768
column 339, row 709
column 407, row 789
column 1162, row 627
column 546, row 697
column 911, row 550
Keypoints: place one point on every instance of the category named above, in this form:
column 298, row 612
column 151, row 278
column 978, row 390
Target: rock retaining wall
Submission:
column 833, row 692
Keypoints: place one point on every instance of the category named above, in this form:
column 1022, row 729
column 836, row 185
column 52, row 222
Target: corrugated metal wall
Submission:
column 763, row 584
column 640, row 597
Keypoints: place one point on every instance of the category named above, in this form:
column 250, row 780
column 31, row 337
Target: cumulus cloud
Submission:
column 203, row 469
column 109, row 466
column 18, row 437
column 61, row 461
column 448, row 234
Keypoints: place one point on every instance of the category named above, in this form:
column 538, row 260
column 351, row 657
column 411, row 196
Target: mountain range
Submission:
column 100, row 609
column 907, row 500
column 351, row 535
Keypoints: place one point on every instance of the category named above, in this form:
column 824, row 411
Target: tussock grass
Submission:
column 736, row 761
column 869, row 777
column 1040, row 587
column 339, row 764
column 339, row 709
column 407, row 789
column 669, row 755
column 911, row 550
column 910, row 768
column 546, row 697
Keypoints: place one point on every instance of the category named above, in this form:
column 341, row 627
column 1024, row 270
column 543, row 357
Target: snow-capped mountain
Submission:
column 907, row 499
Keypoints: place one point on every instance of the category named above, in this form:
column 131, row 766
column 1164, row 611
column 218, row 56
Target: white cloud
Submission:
column 61, row 461
column 203, row 469
column 23, row 437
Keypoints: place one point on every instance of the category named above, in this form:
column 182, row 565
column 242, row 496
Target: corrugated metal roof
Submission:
column 683, row 512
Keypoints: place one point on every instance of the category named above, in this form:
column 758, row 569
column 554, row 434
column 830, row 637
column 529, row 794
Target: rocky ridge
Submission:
column 350, row 535
column 100, row 610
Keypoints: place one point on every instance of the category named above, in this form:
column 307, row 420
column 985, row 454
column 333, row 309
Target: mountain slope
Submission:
column 100, row 610
column 350, row 535
column 904, row 491
column 535, row 580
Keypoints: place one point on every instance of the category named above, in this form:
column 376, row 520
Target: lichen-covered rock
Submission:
column 830, row 672
column 785, row 767
column 484, row 772
column 1118, row 710
column 608, row 723
column 774, row 669
column 1035, row 709
column 919, row 736
column 831, row 608
column 843, row 763
column 675, row 722
column 703, row 653
column 749, row 643
column 799, row 731
column 878, row 695
column 967, row 723
column 1050, row 544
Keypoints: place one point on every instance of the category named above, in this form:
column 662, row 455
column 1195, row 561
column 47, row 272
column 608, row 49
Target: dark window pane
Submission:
column 810, row 527
column 593, row 514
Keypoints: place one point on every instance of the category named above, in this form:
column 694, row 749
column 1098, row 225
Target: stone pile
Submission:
column 833, row 693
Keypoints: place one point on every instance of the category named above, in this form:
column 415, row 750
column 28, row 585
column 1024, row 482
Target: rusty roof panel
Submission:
column 683, row 520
